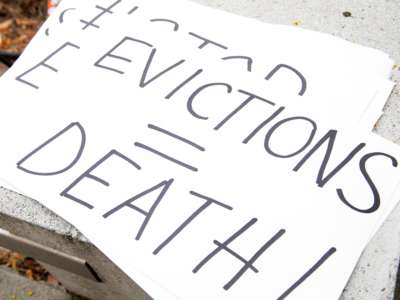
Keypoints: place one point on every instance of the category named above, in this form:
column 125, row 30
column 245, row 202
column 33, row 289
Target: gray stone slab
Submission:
column 32, row 212
column 115, row 284
column 374, row 23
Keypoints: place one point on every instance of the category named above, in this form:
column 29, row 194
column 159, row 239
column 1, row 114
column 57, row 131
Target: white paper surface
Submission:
column 189, row 151
column 233, row 179
column 326, row 66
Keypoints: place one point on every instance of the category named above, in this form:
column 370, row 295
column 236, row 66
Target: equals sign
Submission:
column 169, row 157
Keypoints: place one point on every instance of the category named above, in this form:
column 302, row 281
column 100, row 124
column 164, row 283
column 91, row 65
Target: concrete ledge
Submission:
column 115, row 284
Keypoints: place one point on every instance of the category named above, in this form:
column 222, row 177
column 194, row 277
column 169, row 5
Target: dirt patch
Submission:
column 19, row 21
column 26, row 266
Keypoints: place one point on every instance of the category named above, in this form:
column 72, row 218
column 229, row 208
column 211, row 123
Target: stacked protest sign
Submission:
column 222, row 157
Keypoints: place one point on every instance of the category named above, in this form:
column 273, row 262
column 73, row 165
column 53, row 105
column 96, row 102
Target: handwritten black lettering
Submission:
column 110, row 54
column 301, row 77
column 62, row 14
column 308, row 273
column 248, row 60
column 44, row 63
column 168, row 21
column 49, row 141
column 165, row 156
column 164, row 186
column 250, row 97
column 191, row 218
column 206, row 42
column 280, row 123
column 263, row 124
column 198, row 91
column 183, row 83
column 330, row 136
column 247, row 264
column 88, row 174
column 143, row 83
column 132, row 10
column 377, row 199
column 103, row 10
column 177, row 137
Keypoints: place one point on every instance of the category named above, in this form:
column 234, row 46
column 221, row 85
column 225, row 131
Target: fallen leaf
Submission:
column 296, row 22
column 29, row 274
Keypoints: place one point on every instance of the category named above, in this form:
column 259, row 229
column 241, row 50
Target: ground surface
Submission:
column 25, row 266
column 15, row 287
column 19, row 20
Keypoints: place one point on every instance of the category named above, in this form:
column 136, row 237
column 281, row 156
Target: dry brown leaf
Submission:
column 29, row 274
column 5, row 25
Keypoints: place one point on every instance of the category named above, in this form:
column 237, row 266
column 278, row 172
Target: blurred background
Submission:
column 19, row 21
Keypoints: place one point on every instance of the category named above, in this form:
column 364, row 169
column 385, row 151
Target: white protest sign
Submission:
column 311, row 68
column 203, row 212
column 206, row 199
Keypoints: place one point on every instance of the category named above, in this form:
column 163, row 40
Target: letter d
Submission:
column 68, row 164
